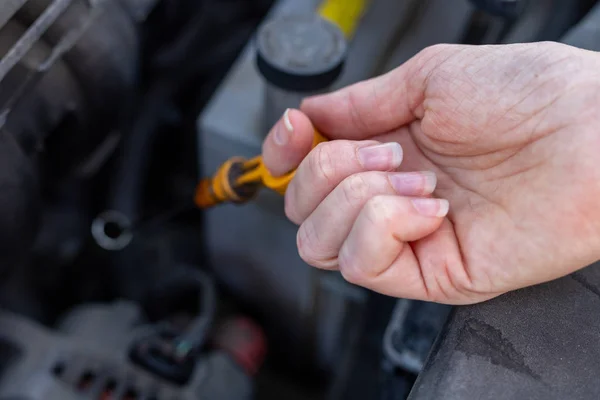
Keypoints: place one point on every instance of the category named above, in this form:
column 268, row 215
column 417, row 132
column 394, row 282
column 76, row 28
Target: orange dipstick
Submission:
column 238, row 180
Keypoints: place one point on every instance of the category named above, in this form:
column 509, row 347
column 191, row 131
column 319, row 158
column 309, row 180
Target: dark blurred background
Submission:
column 113, row 285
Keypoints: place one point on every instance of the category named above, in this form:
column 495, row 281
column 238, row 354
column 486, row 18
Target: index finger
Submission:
column 288, row 143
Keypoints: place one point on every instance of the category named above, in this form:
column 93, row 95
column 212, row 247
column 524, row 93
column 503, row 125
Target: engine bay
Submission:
column 114, row 284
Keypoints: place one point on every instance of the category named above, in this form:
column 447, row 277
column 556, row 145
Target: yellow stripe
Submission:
column 344, row 13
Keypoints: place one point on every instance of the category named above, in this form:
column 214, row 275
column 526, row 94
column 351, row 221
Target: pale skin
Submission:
column 467, row 172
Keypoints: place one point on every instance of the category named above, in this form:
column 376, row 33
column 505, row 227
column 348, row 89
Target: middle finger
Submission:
column 322, row 234
column 328, row 165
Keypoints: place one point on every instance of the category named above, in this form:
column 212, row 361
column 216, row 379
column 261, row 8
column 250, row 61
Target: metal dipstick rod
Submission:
column 298, row 56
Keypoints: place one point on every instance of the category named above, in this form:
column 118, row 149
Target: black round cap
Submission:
column 302, row 53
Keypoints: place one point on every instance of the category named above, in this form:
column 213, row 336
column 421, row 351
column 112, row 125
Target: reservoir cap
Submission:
column 301, row 53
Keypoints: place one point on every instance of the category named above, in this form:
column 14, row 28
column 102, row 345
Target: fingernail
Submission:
column 283, row 130
column 381, row 157
column 431, row 207
column 414, row 183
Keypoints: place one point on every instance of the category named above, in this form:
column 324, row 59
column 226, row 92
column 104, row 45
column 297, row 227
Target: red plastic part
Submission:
column 244, row 340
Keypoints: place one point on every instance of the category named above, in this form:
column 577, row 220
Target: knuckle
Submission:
column 379, row 212
column 448, row 283
column 464, row 285
column 430, row 56
column 355, row 189
column 307, row 241
column 322, row 163
column 436, row 296
column 350, row 269
column 436, row 49
column 289, row 206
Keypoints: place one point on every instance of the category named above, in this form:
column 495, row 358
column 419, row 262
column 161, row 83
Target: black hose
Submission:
column 195, row 334
column 169, row 353
column 135, row 154
column 178, row 63
column 112, row 228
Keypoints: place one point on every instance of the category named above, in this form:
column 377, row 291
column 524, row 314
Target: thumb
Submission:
column 365, row 109
column 288, row 143
column 378, row 105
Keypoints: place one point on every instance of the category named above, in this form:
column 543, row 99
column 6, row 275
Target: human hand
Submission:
column 512, row 134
